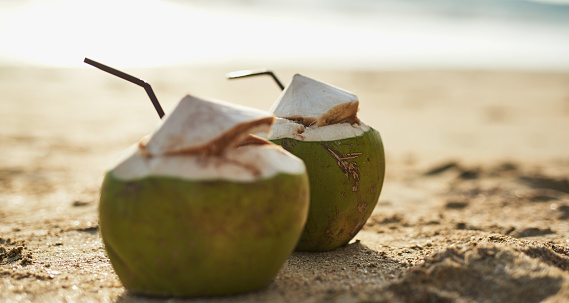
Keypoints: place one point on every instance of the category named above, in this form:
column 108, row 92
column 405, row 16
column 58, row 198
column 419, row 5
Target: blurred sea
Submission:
column 364, row 34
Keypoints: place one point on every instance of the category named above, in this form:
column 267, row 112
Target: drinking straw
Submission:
column 132, row 79
column 254, row 72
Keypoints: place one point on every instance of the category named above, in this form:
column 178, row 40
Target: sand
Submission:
column 475, row 205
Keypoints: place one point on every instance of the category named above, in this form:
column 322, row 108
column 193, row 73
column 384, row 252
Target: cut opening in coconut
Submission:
column 209, row 139
column 284, row 128
column 311, row 110
column 209, row 127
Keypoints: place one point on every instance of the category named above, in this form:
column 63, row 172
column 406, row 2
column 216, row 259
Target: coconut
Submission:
column 344, row 158
column 202, row 207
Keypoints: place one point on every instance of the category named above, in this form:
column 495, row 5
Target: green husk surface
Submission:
column 346, row 178
column 175, row 237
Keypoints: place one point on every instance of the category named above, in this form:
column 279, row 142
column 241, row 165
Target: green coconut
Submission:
column 344, row 158
column 202, row 207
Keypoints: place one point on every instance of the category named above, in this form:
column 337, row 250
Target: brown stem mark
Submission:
column 349, row 168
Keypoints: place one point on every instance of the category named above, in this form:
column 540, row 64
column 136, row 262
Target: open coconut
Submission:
column 202, row 207
column 343, row 156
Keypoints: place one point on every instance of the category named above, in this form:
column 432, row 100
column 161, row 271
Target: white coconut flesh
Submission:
column 208, row 140
column 311, row 110
column 284, row 128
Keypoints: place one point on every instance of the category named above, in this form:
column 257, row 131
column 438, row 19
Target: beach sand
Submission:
column 475, row 205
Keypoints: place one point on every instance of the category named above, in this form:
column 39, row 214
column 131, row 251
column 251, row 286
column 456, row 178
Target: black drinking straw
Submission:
column 254, row 72
column 132, row 79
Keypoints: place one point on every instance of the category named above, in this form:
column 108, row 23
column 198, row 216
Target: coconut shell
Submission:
column 173, row 237
column 203, row 207
column 346, row 178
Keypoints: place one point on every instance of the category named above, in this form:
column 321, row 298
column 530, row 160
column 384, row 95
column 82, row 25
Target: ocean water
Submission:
column 365, row 34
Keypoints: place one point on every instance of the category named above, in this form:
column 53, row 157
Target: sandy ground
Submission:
column 475, row 205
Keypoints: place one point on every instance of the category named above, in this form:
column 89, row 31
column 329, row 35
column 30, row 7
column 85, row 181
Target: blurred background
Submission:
column 362, row 34
column 467, row 79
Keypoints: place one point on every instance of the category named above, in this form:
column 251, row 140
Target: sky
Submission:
column 379, row 34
